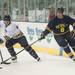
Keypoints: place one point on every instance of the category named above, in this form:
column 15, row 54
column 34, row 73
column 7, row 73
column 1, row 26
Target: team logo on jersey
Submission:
column 61, row 27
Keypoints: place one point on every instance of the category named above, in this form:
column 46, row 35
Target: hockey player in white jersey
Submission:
column 14, row 35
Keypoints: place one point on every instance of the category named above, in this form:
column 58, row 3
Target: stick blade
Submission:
column 6, row 63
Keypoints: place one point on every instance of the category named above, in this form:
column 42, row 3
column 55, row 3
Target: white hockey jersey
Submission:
column 11, row 31
column 2, row 30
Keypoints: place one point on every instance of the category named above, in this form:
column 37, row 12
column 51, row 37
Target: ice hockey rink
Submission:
column 32, row 17
column 26, row 65
column 49, row 65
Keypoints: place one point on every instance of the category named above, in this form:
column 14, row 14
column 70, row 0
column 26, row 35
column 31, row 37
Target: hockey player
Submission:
column 60, row 27
column 14, row 35
column 51, row 13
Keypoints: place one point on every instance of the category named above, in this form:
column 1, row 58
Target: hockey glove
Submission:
column 44, row 33
column 42, row 36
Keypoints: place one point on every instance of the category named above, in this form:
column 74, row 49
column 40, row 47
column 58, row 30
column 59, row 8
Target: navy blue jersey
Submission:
column 61, row 26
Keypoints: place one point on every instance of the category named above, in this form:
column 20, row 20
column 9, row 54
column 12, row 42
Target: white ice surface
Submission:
column 50, row 65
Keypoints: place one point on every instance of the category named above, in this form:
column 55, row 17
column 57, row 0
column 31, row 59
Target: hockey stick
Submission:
column 2, row 58
column 20, row 51
column 1, row 55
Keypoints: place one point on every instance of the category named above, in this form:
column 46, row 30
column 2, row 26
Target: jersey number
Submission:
column 62, row 29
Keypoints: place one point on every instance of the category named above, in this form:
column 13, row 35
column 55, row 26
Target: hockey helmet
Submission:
column 60, row 9
column 7, row 18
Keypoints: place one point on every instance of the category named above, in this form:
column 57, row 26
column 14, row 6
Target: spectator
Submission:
column 51, row 13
